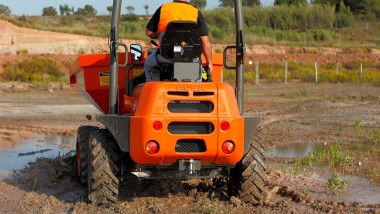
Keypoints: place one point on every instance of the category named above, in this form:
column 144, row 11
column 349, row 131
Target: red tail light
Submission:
column 228, row 147
column 157, row 125
column 151, row 147
column 224, row 126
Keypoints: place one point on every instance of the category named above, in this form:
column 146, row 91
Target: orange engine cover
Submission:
column 191, row 115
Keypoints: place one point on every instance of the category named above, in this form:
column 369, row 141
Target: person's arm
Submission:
column 206, row 45
column 207, row 51
column 152, row 26
column 151, row 34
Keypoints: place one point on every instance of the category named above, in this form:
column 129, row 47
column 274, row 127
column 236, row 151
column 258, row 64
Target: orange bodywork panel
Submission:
column 152, row 105
column 90, row 74
column 157, row 101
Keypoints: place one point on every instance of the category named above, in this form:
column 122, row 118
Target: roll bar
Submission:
column 114, row 44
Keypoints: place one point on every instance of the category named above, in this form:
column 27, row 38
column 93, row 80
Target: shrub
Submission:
column 322, row 35
column 344, row 17
column 22, row 52
column 129, row 17
column 33, row 70
column 66, row 20
column 221, row 17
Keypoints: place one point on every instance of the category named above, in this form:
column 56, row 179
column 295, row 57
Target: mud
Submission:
column 294, row 113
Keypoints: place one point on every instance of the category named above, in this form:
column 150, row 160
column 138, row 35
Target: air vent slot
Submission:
column 190, row 146
column 205, row 93
column 178, row 93
column 191, row 128
column 189, row 106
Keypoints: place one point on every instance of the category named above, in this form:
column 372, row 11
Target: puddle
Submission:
column 295, row 150
column 299, row 150
column 28, row 150
column 360, row 189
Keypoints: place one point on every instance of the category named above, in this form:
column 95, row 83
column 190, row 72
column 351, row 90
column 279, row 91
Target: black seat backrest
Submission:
column 183, row 34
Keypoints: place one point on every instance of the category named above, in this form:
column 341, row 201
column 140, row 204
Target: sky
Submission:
column 34, row 7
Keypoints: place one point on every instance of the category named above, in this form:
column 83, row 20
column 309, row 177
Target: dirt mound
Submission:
column 14, row 39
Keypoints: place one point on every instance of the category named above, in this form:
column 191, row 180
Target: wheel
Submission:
column 248, row 179
column 82, row 144
column 103, row 170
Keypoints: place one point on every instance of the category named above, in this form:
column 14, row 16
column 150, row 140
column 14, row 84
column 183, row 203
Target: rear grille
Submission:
column 191, row 128
column 184, row 106
column 190, row 145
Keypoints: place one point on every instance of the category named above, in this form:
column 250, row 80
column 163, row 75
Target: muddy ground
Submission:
column 293, row 113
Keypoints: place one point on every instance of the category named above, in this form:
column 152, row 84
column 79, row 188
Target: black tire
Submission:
column 248, row 179
column 103, row 171
column 82, row 145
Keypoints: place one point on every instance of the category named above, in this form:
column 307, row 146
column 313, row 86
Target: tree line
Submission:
column 370, row 8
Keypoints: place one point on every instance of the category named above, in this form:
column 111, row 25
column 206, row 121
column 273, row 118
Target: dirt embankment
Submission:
column 14, row 39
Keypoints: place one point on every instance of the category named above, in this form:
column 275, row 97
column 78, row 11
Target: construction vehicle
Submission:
column 171, row 129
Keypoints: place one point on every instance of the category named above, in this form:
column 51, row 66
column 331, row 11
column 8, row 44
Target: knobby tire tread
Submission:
column 83, row 135
column 103, row 182
column 248, row 179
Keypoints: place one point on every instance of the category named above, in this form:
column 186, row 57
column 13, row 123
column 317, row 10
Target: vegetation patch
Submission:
column 34, row 70
column 357, row 157
column 350, row 72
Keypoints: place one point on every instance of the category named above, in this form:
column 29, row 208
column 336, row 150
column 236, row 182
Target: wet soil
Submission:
column 293, row 113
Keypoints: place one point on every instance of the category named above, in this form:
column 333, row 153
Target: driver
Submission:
column 178, row 10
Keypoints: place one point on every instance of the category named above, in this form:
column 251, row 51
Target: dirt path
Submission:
column 293, row 113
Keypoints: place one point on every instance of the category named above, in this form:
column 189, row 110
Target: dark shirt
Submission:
column 153, row 22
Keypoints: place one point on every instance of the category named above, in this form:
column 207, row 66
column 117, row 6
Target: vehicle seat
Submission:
column 180, row 51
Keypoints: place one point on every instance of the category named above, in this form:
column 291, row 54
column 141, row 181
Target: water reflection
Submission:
column 295, row 150
column 48, row 146
column 360, row 189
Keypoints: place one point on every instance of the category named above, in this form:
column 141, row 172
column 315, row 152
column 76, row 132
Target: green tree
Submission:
column 324, row 2
column 200, row 4
column 230, row 3
column 251, row 3
column 356, row 6
column 372, row 9
column 109, row 9
column 226, row 3
column 88, row 10
column 65, row 9
column 130, row 9
column 146, row 7
column 290, row 2
column 344, row 17
column 4, row 10
column 49, row 11
column 61, row 10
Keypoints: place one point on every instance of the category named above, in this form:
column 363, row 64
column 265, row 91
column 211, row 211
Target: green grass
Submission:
column 360, row 157
column 337, row 184
column 347, row 73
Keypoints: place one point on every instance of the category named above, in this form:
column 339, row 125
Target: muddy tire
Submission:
column 82, row 145
column 103, row 170
column 248, row 179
